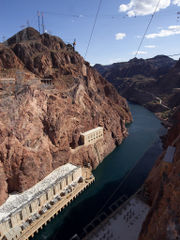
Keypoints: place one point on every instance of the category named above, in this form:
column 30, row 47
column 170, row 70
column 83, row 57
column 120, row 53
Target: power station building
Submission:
column 20, row 210
column 92, row 136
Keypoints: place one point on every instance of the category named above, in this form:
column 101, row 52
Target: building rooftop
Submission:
column 169, row 154
column 16, row 201
column 91, row 131
column 123, row 224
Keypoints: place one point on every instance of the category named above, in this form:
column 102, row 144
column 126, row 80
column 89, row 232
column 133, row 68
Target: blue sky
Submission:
column 118, row 30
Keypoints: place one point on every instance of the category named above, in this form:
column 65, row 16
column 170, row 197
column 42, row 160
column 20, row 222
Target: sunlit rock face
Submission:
column 40, row 125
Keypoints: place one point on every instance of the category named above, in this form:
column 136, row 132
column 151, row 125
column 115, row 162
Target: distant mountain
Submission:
column 150, row 82
column 152, row 67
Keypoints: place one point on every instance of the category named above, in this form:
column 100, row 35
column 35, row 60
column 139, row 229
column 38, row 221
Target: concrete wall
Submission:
column 92, row 136
column 16, row 219
column 42, row 200
column 4, row 227
column 26, row 212
column 77, row 174
column 34, row 206
column 57, row 189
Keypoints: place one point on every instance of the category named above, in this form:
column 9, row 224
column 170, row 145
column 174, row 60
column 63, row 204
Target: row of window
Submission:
column 96, row 134
column 93, row 138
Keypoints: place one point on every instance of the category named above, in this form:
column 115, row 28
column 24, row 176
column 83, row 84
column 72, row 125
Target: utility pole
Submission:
column 74, row 44
column 43, row 30
column 39, row 28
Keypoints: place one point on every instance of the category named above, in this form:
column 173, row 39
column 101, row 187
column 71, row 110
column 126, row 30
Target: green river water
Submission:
column 126, row 167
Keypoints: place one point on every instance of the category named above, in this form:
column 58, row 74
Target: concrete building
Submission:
column 47, row 81
column 169, row 154
column 20, row 210
column 92, row 135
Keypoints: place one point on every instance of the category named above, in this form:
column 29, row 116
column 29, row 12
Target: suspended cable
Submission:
column 66, row 15
column 81, row 15
column 95, row 20
column 147, row 28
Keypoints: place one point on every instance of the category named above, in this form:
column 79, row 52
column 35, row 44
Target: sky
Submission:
column 118, row 31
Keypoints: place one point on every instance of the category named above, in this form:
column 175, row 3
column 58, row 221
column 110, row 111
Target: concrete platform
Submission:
column 124, row 224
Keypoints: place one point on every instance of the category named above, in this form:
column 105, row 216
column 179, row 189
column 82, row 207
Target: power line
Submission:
column 147, row 28
column 95, row 20
column 81, row 15
column 66, row 15
column 43, row 27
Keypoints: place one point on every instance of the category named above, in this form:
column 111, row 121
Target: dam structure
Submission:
column 23, row 214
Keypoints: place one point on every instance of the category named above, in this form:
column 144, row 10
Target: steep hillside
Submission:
column 40, row 124
column 163, row 220
column 149, row 82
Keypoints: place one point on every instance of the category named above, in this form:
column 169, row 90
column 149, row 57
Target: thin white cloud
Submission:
column 176, row 2
column 172, row 30
column 150, row 46
column 139, row 36
column 144, row 7
column 139, row 52
column 120, row 36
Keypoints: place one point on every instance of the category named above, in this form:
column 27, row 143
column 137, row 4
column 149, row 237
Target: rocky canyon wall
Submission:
column 40, row 125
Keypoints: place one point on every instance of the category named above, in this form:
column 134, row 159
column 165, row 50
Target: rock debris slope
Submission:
column 40, row 125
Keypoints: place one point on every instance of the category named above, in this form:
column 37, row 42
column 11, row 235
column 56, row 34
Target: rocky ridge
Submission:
column 40, row 124
column 152, row 83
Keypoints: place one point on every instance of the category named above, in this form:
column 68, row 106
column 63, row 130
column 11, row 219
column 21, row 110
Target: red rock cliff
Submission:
column 40, row 125
column 163, row 185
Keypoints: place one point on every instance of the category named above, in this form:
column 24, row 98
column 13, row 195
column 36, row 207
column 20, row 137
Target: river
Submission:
column 123, row 171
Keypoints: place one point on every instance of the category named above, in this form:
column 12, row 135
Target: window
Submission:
column 54, row 190
column 4, row 238
column 30, row 208
column 21, row 216
column 72, row 177
column 60, row 185
column 46, row 196
column 39, row 202
column 10, row 223
column 66, row 180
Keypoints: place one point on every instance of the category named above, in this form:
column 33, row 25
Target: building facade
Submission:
column 22, row 209
column 92, row 136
